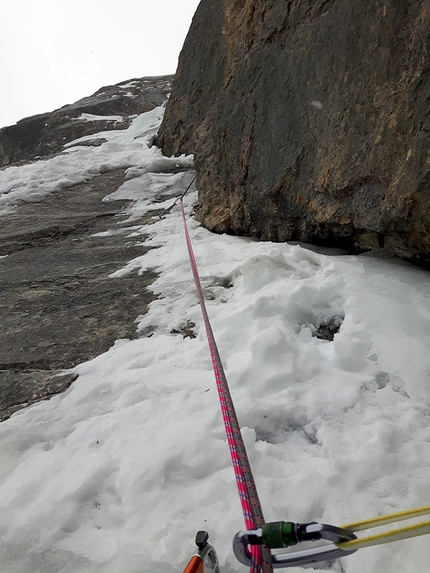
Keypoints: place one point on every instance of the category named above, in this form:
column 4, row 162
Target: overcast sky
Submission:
column 54, row 52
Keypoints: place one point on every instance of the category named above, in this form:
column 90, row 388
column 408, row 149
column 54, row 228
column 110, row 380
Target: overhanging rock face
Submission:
column 309, row 121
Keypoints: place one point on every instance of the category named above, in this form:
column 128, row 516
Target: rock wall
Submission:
column 59, row 306
column 309, row 120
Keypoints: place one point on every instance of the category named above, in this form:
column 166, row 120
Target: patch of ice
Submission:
column 91, row 117
column 128, row 85
column 123, row 149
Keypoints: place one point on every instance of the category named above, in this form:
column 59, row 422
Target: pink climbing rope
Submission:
column 261, row 561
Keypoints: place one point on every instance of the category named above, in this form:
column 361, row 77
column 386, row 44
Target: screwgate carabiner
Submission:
column 285, row 534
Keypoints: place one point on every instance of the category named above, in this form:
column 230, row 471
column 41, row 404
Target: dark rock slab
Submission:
column 58, row 305
column 309, row 120
column 45, row 134
column 21, row 389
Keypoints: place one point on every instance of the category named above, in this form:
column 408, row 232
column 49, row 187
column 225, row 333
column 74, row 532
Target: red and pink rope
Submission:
column 251, row 507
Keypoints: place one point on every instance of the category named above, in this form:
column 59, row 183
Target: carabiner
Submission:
column 284, row 534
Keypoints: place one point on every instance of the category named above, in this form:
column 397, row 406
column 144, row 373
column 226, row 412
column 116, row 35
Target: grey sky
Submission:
column 56, row 51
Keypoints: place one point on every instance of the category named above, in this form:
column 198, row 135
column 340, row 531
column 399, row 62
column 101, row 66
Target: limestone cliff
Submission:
column 309, row 120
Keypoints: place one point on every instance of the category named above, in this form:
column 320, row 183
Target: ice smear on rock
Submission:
column 118, row 473
column 127, row 148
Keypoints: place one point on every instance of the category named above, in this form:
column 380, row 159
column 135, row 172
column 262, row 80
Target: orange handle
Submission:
column 195, row 565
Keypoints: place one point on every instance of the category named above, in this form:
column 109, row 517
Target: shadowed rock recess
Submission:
column 59, row 307
column 309, row 120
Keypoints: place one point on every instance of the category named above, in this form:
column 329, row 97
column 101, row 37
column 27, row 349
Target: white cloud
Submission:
column 55, row 53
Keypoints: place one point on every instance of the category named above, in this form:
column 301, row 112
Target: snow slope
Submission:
column 117, row 474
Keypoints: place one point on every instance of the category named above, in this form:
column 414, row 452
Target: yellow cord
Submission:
column 392, row 518
column 405, row 532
